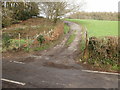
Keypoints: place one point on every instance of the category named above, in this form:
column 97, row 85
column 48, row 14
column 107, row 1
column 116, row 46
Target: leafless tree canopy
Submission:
column 56, row 10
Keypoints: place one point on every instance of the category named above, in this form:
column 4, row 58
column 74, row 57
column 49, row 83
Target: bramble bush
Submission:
column 104, row 52
column 104, row 48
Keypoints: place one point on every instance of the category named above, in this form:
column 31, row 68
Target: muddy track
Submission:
column 55, row 68
column 61, row 54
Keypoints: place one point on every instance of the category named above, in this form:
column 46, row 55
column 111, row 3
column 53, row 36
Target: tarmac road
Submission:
column 54, row 68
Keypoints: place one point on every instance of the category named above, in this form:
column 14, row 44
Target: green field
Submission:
column 99, row 28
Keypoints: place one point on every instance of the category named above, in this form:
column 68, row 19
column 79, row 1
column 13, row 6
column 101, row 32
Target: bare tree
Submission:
column 56, row 10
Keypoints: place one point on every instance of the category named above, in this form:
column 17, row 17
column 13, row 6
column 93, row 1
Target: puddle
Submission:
column 60, row 66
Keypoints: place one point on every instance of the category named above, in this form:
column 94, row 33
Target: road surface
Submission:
column 54, row 68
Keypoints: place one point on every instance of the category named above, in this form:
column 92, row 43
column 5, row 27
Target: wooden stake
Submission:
column 27, row 40
column 86, row 54
column 19, row 41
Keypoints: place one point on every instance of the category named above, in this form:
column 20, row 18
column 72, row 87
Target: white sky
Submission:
column 101, row 5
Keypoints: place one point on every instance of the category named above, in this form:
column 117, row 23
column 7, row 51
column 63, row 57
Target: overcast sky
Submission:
column 101, row 5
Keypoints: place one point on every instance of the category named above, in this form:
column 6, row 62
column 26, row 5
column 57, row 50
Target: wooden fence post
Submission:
column 27, row 42
column 19, row 40
column 86, row 52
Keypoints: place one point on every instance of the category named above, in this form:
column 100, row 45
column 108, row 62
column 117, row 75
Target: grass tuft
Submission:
column 70, row 40
column 66, row 29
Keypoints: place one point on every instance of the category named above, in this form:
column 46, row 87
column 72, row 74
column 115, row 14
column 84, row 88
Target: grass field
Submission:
column 99, row 28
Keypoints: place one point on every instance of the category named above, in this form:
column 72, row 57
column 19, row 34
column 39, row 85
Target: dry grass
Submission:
column 30, row 27
column 33, row 27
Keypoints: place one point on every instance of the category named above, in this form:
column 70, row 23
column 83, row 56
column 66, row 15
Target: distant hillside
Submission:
column 95, row 15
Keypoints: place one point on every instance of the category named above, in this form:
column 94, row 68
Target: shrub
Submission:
column 12, row 12
column 41, row 39
column 104, row 52
column 6, row 17
column 6, row 42
column 103, row 47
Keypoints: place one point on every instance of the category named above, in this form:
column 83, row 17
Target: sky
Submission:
column 101, row 5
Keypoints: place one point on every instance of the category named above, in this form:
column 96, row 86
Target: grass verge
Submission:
column 70, row 40
column 66, row 29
